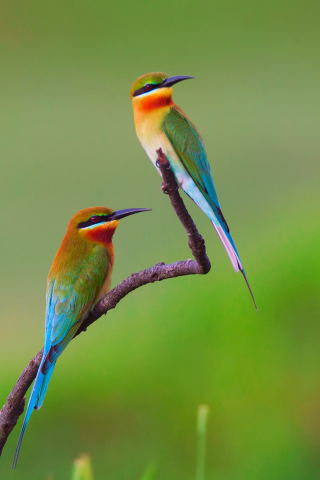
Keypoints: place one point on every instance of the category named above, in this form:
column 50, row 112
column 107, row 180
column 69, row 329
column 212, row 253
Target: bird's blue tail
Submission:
column 231, row 250
column 35, row 401
column 44, row 386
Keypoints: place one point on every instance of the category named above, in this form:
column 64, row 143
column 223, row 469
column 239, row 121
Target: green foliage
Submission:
column 82, row 469
column 203, row 412
column 82, row 466
column 149, row 472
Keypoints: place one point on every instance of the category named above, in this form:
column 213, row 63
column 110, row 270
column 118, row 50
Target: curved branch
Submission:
column 14, row 405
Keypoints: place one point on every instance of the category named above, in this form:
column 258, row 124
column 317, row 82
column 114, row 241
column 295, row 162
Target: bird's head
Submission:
column 98, row 224
column 153, row 90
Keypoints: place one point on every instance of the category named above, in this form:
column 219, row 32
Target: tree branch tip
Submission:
column 161, row 157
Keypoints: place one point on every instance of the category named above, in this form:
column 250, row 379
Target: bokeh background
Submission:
column 126, row 392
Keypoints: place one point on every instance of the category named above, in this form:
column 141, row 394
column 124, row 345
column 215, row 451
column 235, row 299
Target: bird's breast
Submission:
column 107, row 283
column 151, row 135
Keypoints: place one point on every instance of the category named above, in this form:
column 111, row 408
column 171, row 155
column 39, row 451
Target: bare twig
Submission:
column 14, row 405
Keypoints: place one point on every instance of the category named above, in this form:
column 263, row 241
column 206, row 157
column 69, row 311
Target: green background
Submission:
column 127, row 391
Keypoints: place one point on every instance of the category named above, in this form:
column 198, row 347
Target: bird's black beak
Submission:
column 125, row 213
column 168, row 82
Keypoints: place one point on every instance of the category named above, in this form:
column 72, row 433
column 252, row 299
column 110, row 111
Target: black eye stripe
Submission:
column 146, row 88
column 94, row 221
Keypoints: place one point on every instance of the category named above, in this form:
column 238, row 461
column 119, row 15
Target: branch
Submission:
column 196, row 242
column 15, row 403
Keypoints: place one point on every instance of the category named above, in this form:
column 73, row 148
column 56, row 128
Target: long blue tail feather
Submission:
column 231, row 250
column 214, row 212
column 44, row 387
column 246, row 280
column 35, row 401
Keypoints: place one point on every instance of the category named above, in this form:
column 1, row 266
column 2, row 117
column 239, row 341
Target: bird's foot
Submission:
column 158, row 163
column 164, row 188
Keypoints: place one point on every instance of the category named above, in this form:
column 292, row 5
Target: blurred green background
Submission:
column 126, row 392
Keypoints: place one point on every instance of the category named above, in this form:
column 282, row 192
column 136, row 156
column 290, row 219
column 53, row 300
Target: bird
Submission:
column 160, row 123
column 79, row 277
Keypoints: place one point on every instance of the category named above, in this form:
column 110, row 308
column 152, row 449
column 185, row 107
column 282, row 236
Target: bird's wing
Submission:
column 70, row 296
column 188, row 145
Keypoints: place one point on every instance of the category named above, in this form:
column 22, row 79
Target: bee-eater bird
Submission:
column 160, row 123
column 79, row 277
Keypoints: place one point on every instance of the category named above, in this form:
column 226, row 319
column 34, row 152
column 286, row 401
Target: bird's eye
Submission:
column 94, row 218
column 148, row 86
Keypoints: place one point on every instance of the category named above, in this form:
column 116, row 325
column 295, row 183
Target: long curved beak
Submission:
column 168, row 82
column 125, row 213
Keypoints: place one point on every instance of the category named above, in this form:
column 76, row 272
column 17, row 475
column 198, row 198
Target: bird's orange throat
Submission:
column 154, row 100
column 102, row 234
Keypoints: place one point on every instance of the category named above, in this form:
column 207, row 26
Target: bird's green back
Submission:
column 189, row 147
column 73, row 287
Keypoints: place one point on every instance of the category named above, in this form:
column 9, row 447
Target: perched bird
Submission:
column 79, row 277
column 160, row 123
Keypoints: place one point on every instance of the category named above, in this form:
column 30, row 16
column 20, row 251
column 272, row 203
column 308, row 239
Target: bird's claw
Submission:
column 164, row 188
column 158, row 163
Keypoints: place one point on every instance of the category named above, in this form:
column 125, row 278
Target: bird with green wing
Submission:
column 79, row 277
column 160, row 123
